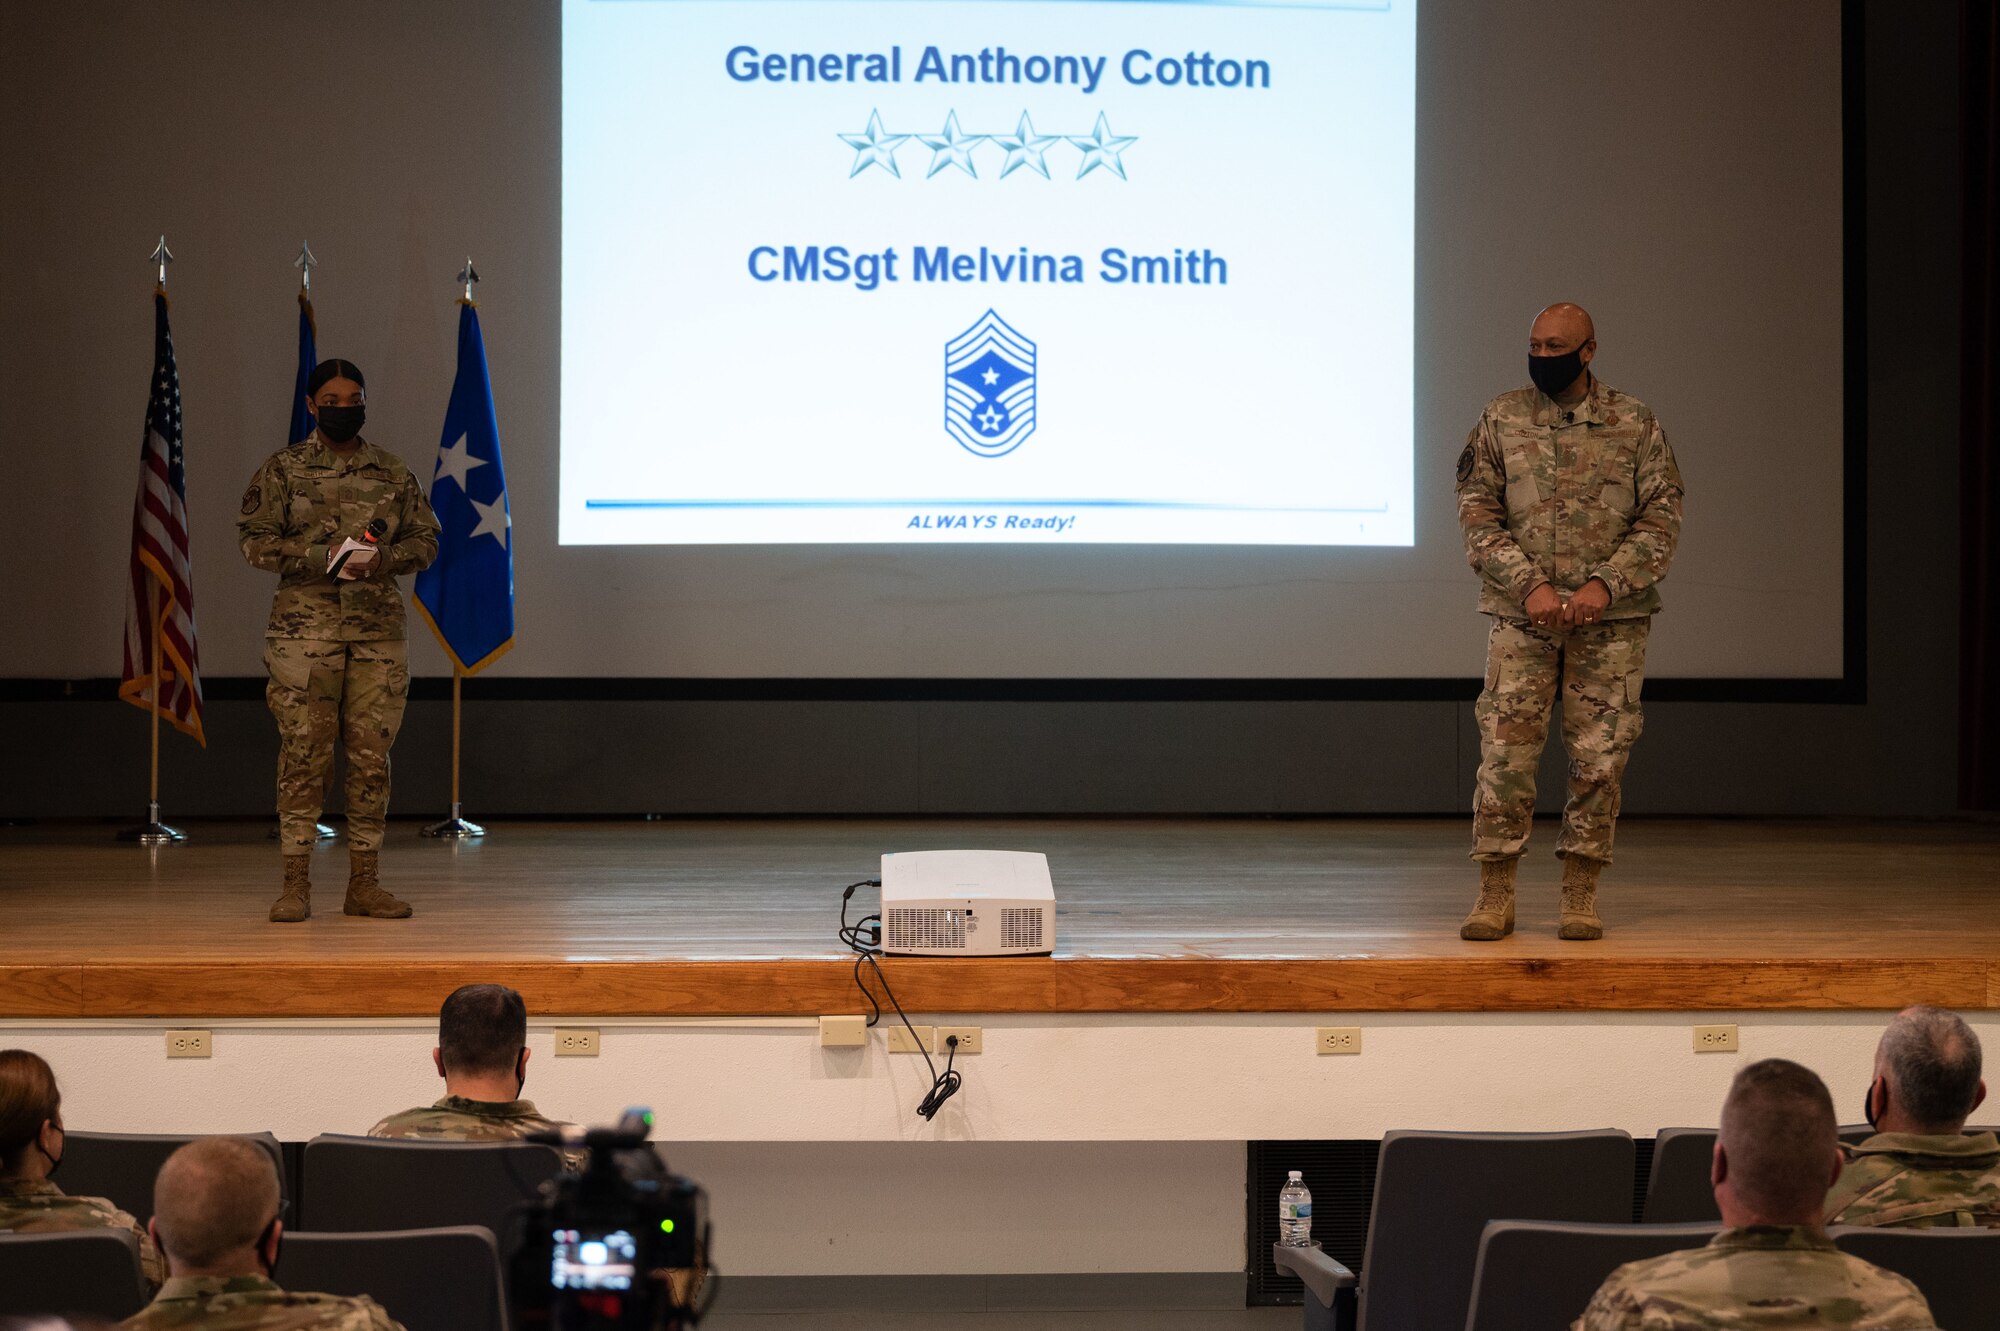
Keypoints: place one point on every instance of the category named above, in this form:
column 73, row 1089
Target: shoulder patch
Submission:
column 1465, row 460
column 251, row 499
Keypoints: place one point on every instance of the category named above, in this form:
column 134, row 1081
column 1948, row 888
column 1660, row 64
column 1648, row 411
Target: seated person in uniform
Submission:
column 1772, row 1265
column 482, row 1054
column 1920, row 1170
column 31, row 1150
column 215, row 1215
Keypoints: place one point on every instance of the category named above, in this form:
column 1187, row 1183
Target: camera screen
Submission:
column 588, row 1259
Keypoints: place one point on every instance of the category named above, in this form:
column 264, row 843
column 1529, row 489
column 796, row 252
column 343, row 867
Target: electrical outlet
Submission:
column 189, row 1044
column 576, row 1042
column 901, row 1043
column 968, row 1040
column 843, row 1032
column 1337, row 1039
column 1715, row 1039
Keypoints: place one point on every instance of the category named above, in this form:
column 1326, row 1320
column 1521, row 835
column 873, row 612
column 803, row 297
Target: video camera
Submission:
column 623, row 1244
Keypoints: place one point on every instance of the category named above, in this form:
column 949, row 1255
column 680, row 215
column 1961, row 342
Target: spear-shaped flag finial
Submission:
column 305, row 264
column 162, row 256
column 468, row 275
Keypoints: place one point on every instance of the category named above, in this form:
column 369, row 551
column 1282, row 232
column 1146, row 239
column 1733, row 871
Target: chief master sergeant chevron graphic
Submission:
column 989, row 387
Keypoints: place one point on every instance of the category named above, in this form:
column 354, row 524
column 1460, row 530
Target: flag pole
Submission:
column 456, row 828
column 305, row 263
column 153, row 832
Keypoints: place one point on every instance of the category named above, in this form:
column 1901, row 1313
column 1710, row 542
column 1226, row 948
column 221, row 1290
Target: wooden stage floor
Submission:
column 737, row 917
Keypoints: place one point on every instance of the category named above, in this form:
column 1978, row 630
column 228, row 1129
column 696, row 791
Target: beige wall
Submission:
column 1056, row 1114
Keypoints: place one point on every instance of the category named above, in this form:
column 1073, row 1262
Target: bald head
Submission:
column 213, row 1201
column 1779, row 1146
column 1561, row 328
column 1931, row 1060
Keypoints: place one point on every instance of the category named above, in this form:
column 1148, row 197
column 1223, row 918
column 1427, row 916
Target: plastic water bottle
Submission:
column 1295, row 1213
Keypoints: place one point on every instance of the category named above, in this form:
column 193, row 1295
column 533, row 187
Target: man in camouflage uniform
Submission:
column 334, row 647
column 1570, row 502
column 1773, row 1264
column 215, row 1212
column 1920, row 1170
column 482, row 1054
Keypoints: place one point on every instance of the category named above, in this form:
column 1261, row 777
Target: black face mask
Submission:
column 337, row 425
column 264, row 1241
column 55, row 1161
column 1868, row 1108
column 1552, row 374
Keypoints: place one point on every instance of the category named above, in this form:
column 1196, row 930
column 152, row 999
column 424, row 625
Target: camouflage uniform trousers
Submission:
column 322, row 691
column 1600, row 669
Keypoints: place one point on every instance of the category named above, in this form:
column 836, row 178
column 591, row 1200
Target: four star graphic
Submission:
column 1025, row 148
column 953, row 147
column 874, row 148
column 1102, row 149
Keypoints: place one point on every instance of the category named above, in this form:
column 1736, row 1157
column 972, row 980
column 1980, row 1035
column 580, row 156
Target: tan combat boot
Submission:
column 1492, row 915
column 295, row 902
column 365, row 895
column 1579, row 899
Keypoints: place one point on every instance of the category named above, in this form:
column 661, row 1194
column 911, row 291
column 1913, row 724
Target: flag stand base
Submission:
column 454, row 828
column 153, row 832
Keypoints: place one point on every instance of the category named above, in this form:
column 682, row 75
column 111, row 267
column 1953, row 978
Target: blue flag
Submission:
column 468, row 593
column 302, row 420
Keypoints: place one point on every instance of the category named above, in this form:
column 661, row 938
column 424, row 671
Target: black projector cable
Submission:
column 866, row 945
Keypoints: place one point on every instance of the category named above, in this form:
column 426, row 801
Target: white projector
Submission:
column 968, row 903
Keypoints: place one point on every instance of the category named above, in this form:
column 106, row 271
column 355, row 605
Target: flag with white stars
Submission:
column 159, row 596
column 467, row 593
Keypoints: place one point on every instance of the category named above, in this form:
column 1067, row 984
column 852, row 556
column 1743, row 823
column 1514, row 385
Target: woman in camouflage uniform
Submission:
column 335, row 647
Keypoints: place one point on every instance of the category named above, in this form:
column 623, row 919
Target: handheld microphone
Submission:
column 372, row 535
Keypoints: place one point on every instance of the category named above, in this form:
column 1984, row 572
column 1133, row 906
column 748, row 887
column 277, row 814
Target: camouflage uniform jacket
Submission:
column 1755, row 1277
column 1915, row 1182
column 306, row 499
column 37, row 1206
column 1542, row 498
column 252, row 1303
column 457, row 1119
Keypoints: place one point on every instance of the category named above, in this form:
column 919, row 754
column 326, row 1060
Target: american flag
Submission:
column 160, row 598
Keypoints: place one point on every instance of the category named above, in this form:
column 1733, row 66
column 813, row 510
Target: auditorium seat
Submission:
column 1434, row 1194
column 85, row 1271
column 351, row 1184
column 122, row 1165
column 1957, row 1269
column 1536, row 1274
column 429, row 1279
column 1677, row 1189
